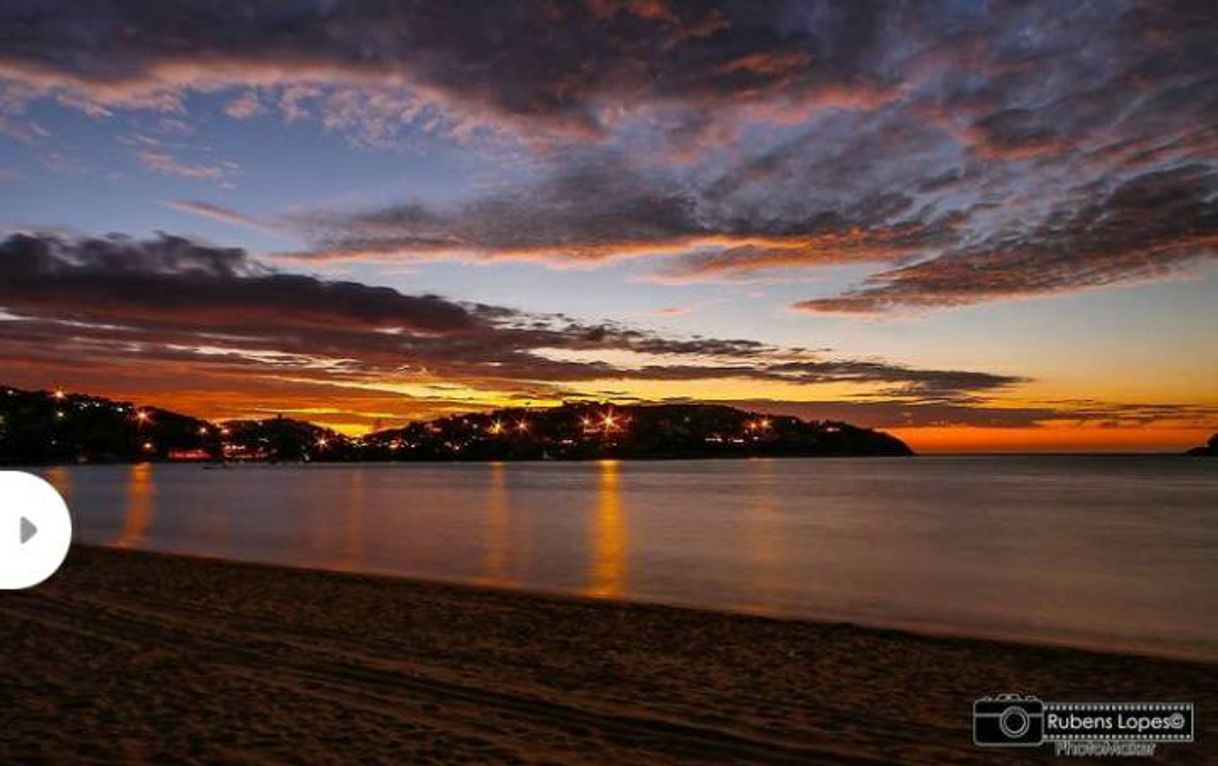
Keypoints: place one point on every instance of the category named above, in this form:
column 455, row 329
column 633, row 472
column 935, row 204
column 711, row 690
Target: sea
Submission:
column 1116, row 553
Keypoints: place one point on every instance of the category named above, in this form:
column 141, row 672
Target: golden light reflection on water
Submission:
column 497, row 518
column 351, row 552
column 764, row 537
column 608, row 536
column 61, row 479
column 138, row 515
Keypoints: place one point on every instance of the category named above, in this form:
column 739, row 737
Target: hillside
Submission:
column 60, row 427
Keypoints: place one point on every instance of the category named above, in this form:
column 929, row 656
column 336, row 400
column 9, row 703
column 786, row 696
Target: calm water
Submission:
column 1118, row 552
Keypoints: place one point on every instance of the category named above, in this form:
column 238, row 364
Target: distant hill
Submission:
column 1209, row 450
column 59, row 427
column 55, row 427
column 581, row 431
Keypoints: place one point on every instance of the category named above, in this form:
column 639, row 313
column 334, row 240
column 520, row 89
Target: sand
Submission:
column 131, row 657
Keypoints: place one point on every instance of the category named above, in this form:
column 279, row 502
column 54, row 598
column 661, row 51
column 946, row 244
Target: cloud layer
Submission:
column 968, row 152
column 174, row 307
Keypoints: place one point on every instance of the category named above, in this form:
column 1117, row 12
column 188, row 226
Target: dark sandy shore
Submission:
column 141, row 657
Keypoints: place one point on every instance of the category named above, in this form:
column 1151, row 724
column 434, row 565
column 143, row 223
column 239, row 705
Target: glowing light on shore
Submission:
column 761, row 424
column 522, row 426
column 59, row 394
column 496, row 428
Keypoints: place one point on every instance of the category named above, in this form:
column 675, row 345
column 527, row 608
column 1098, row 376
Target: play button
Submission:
column 28, row 530
column 35, row 530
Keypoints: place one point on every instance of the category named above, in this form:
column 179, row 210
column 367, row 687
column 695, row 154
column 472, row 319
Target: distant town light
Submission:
column 142, row 416
column 59, row 394
column 522, row 426
column 59, row 414
column 202, row 431
column 496, row 427
column 322, row 443
column 149, row 447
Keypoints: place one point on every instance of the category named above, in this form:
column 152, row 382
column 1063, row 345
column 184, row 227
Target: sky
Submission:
column 980, row 226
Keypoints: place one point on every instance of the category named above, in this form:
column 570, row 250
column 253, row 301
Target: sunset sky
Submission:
column 980, row 226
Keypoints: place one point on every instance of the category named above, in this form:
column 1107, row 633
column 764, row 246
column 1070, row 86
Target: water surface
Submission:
column 1112, row 552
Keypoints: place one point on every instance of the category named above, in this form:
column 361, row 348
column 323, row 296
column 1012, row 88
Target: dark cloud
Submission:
column 1148, row 227
column 601, row 205
column 978, row 152
column 106, row 280
column 565, row 64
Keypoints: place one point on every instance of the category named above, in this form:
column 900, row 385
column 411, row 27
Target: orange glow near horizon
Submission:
column 358, row 411
column 1051, row 439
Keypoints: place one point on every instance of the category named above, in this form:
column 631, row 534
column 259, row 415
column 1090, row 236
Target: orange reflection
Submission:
column 497, row 515
column 59, row 478
column 766, row 541
column 352, row 549
column 139, row 506
column 609, row 536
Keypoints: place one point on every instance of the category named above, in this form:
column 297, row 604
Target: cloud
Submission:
column 601, row 206
column 192, row 307
column 212, row 330
column 164, row 162
column 244, row 107
column 965, row 153
column 1151, row 226
column 436, row 58
column 220, row 213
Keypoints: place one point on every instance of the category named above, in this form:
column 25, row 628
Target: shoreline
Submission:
column 130, row 655
column 912, row 631
column 670, row 458
column 590, row 460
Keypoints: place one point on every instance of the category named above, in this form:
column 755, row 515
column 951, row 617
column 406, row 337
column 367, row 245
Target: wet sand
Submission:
column 130, row 657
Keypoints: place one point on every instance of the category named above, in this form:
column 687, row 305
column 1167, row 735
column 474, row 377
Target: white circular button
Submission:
column 35, row 530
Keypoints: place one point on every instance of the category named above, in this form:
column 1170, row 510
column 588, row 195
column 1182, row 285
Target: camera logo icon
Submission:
column 1009, row 720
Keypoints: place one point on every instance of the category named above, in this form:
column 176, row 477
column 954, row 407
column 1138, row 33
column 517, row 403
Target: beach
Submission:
column 143, row 657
